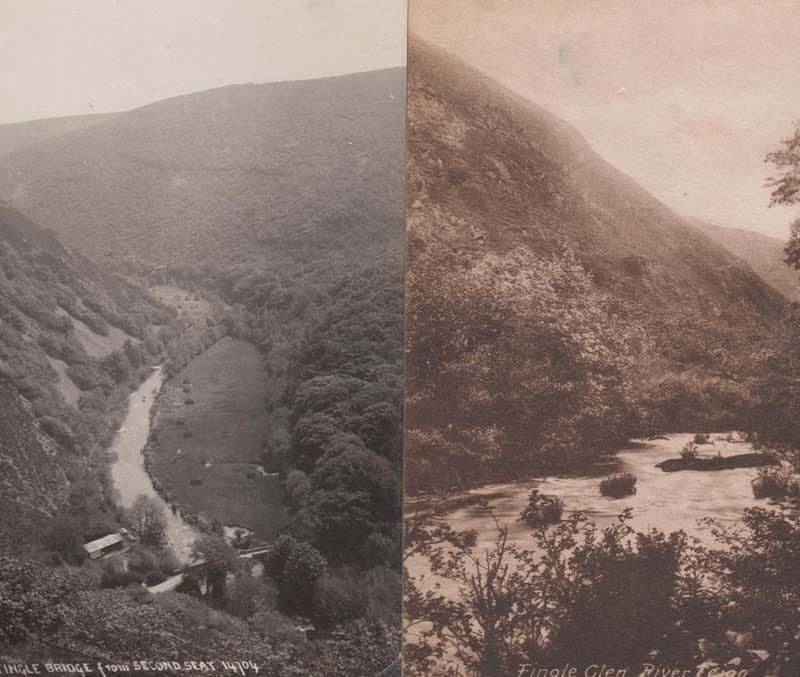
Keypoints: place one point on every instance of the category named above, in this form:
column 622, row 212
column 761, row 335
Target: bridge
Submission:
column 172, row 583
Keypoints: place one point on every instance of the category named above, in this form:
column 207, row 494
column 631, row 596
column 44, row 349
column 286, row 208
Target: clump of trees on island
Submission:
column 619, row 485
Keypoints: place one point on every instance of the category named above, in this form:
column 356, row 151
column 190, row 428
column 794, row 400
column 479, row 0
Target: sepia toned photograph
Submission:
column 602, row 339
column 201, row 336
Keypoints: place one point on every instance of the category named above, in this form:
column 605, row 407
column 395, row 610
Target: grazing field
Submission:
column 210, row 428
column 189, row 305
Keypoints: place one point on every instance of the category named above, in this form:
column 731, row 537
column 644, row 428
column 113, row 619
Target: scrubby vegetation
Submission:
column 63, row 389
column 582, row 595
column 552, row 303
column 776, row 482
column 542, row 509
column 618, row 486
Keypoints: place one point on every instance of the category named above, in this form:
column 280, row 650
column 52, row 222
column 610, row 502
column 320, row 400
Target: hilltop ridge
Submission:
column 238, row 172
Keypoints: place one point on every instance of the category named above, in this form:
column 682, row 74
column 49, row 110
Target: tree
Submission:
column 361, row 470
column 295, row 566
column 146, row 519
column 64, row 537
column 31, row 599
column 220, row 560
column 303, row 567
column 247, row 595
column 337, row 600
column 786, row 188
column 340, row 521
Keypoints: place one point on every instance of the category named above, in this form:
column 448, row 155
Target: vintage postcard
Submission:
column 201, row 336
column 602, row 339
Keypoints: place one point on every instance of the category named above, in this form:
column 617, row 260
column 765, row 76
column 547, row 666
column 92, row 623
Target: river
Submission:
column 667, row 501
column 128, row 470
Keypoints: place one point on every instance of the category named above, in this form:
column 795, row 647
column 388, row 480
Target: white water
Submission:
column 666, row 501
column 128, row 471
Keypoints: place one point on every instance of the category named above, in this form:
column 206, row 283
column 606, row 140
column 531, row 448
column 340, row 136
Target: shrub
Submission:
column 542, row 509
column 275, row 627
column 64, row 537
column 617, row 486
column 702, row 438
column 247, row 595
column 689, row 450
column 336, row 600
column 775, row 482
column 31, row 599
column 298, row 487
column 114, row 573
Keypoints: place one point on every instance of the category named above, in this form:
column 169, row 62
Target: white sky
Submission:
column 685, row 96
column 68, row 57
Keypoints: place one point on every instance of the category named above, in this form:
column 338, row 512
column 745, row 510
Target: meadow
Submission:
column 209, row 435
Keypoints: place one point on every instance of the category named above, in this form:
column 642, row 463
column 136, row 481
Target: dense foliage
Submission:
column 584, row 596
column 554, row 307
column 73, row 341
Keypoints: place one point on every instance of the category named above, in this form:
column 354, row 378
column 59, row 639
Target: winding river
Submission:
column 128, row 471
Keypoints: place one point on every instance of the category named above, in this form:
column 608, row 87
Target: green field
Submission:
column 211, row 426
column 189, row 305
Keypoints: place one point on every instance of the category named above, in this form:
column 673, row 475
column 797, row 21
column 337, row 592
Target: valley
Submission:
column 564, row 328
column 209, row 435
column 220, row 366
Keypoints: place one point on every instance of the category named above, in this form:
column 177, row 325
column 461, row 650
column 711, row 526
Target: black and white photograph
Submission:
column 603, row 339
column 201, row 336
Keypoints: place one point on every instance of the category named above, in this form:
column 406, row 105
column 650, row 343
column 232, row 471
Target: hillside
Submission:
column 543, row 281
column 291, row 169
column 71, row 337
column 763, row 253
column 16, row 136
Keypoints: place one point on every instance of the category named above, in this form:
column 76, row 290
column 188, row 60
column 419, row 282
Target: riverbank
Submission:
column 128, row 473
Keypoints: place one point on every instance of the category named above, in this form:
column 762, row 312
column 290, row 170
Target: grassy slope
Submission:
column 296, row 168
column 19, row 135
column 520, row 176
column 762, row 252
column 33, row 481
column 227, row 428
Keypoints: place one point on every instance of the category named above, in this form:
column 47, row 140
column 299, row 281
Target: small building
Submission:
column 104, row 546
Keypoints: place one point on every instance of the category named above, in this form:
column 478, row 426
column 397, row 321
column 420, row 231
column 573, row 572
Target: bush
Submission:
column 336, row 600
column 776, row 482
column 617, row 486
column 542, row 509
column 689, row 450
column 247, row 595
column 702, row 438
column 275, row 627
column 31, row 599
column 64, row 537
column 114, row 574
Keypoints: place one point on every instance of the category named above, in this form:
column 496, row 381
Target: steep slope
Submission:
column 552, row 303
column 479, row 150
column 763, row 253
column 16, row 136
column 55, row 391
column 297, row 168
